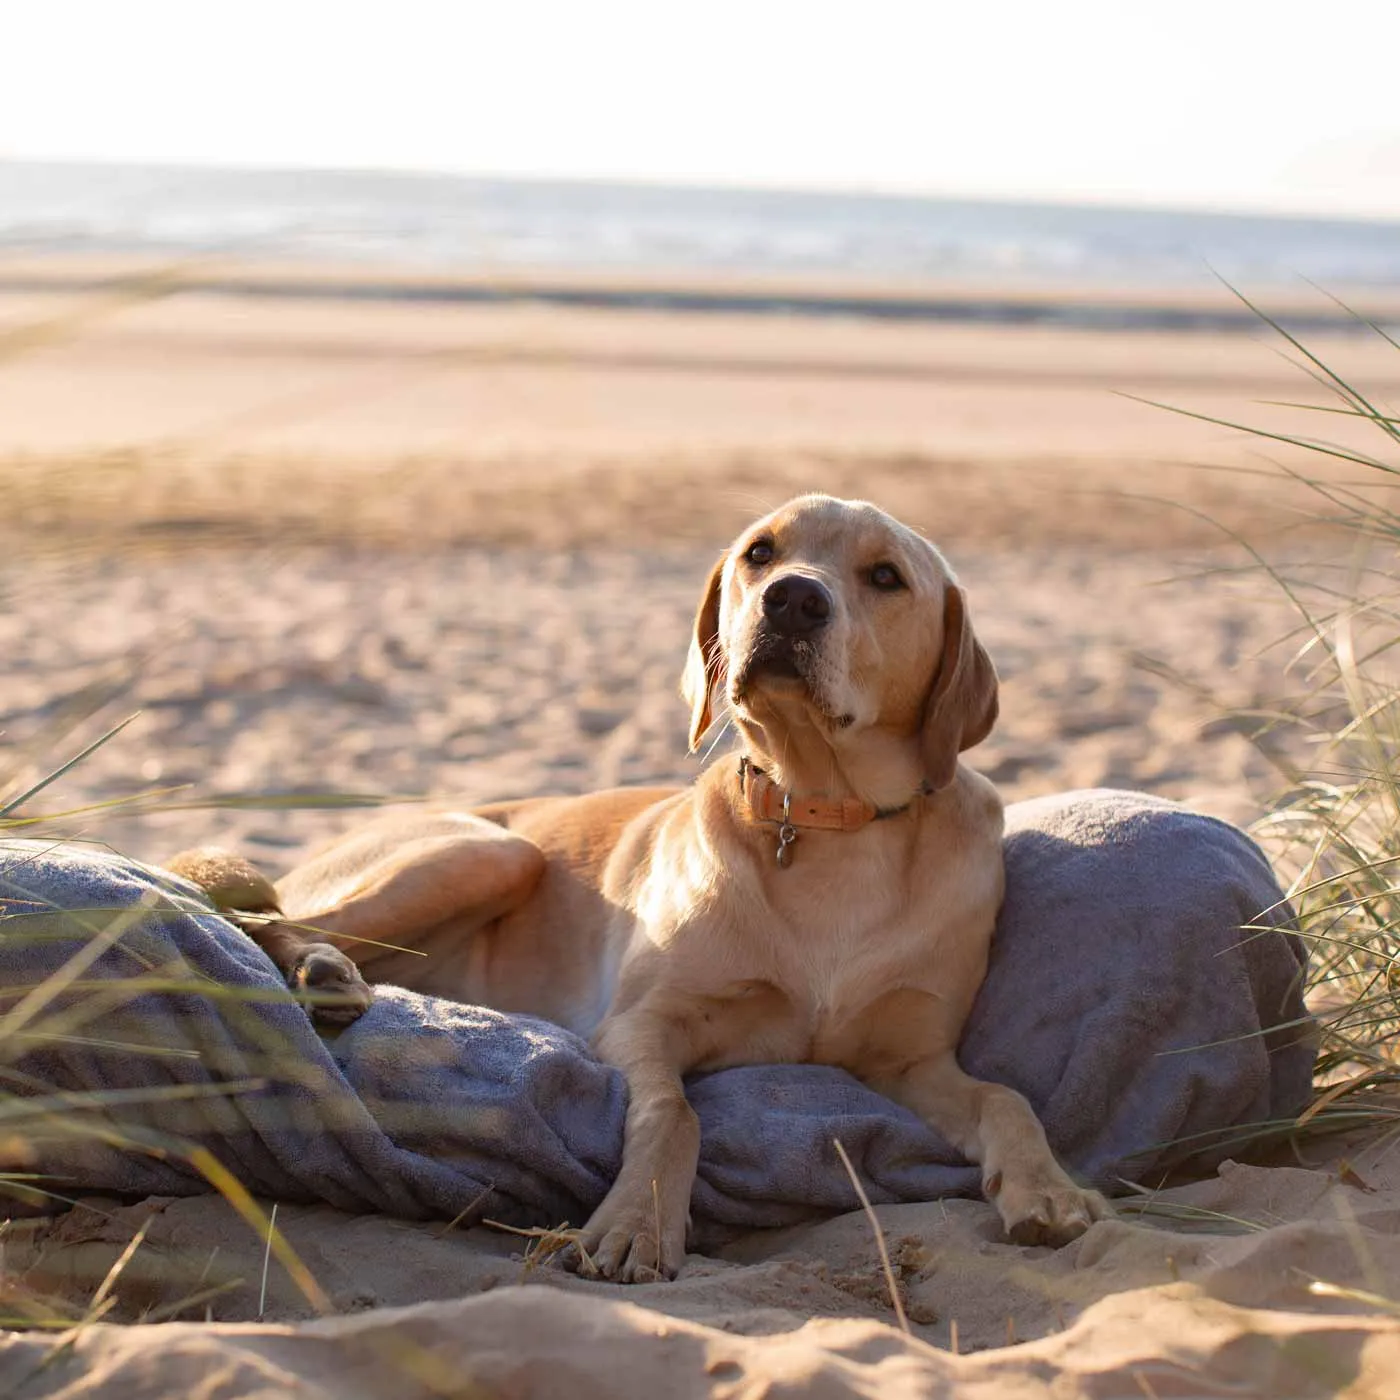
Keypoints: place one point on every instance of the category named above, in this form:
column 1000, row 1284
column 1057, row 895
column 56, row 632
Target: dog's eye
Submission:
column 760, row 552
column 886, row 578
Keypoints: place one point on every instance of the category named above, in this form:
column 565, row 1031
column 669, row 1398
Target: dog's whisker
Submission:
column 718, row 739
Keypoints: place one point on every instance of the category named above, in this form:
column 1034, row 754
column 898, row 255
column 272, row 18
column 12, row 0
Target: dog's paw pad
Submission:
column 330, row 985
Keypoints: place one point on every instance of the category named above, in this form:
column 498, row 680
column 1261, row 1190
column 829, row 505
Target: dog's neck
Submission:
column 872, row 766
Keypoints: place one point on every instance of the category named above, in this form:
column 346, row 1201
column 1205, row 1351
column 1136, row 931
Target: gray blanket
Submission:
column 1124, row 1000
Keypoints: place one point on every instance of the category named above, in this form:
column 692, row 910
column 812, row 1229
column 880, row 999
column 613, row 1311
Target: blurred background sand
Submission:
column 325, row 545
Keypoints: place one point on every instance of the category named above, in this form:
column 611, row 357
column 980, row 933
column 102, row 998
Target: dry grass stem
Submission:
column 896, row 1302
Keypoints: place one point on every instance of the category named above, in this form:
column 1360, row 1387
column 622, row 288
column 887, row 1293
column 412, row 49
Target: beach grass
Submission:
column 70, row 1007
column 1333, row 830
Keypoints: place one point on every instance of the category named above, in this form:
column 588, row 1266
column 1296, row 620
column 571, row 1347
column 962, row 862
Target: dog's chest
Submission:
column 824, row 965
column 831, row 973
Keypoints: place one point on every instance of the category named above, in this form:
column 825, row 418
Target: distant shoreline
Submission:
column 1095, row 308
column 366, row 237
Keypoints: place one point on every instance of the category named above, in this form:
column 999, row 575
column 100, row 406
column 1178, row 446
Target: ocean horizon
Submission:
column 977, row 251
column 471, row 223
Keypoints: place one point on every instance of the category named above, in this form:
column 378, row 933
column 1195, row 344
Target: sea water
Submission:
column 470, row 225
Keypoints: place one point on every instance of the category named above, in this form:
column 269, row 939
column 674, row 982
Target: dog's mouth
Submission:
column 776, row 663
column 781, row 666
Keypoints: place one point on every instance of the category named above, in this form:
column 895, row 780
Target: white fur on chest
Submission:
column 842, row 926
column 838, row 935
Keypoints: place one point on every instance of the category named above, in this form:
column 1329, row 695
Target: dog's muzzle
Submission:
column 787, row 632
column 796, row 606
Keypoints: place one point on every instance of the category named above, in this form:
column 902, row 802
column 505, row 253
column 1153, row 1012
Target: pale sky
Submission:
column 1225, row 104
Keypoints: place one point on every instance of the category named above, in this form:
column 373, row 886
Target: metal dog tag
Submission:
column 787, row 834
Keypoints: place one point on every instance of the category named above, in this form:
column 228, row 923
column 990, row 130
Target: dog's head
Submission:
column 830, row 624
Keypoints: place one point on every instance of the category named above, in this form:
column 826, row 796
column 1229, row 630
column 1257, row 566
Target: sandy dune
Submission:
column 398, row 550
column 1210, row 1294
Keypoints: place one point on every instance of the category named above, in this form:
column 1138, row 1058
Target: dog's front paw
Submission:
column 329, row 985
column 1045, row 1207
column 626, row 1242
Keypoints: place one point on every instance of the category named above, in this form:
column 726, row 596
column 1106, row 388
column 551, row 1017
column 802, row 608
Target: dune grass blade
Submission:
column 286, row 801
column 120, row 806
column 167, row 1311
column 1330, row 408
column 123, row 1259
column 68, row 715
column 1334, row 833
column 238, row 1196
column 896, row 1302
column 1321, row 1289
column 14, row 804
column 117, row 295
column 62, row 1006
column 18, row 1017
column 1287, row 439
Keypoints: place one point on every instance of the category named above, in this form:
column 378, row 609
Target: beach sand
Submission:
column 392, row 549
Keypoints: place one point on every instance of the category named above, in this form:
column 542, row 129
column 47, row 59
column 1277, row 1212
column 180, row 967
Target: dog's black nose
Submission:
column 796, row 605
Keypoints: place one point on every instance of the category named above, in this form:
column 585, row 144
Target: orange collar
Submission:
column 767, row 802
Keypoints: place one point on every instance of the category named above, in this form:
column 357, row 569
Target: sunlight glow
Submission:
column 1236, row 105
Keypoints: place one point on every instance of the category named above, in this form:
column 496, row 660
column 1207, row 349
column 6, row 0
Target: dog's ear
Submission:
column 703, row 663
column 962, row 703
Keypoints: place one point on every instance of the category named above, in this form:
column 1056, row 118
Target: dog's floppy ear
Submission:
column 703, row 663
column 962, row 703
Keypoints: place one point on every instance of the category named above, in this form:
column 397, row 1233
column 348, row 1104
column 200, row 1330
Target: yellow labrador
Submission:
column 829, row 898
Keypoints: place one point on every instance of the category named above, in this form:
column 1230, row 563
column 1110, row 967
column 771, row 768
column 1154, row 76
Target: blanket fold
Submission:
column 1144, row 989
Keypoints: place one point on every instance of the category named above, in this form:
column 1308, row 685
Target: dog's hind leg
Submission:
column 319, row 974
column 380, row 890
column 373, row 895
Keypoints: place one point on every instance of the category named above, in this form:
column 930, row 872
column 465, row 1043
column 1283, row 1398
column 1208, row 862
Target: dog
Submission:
column 830, row 899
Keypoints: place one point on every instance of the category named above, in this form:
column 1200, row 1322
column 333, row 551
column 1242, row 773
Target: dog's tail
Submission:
column 233, row 884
